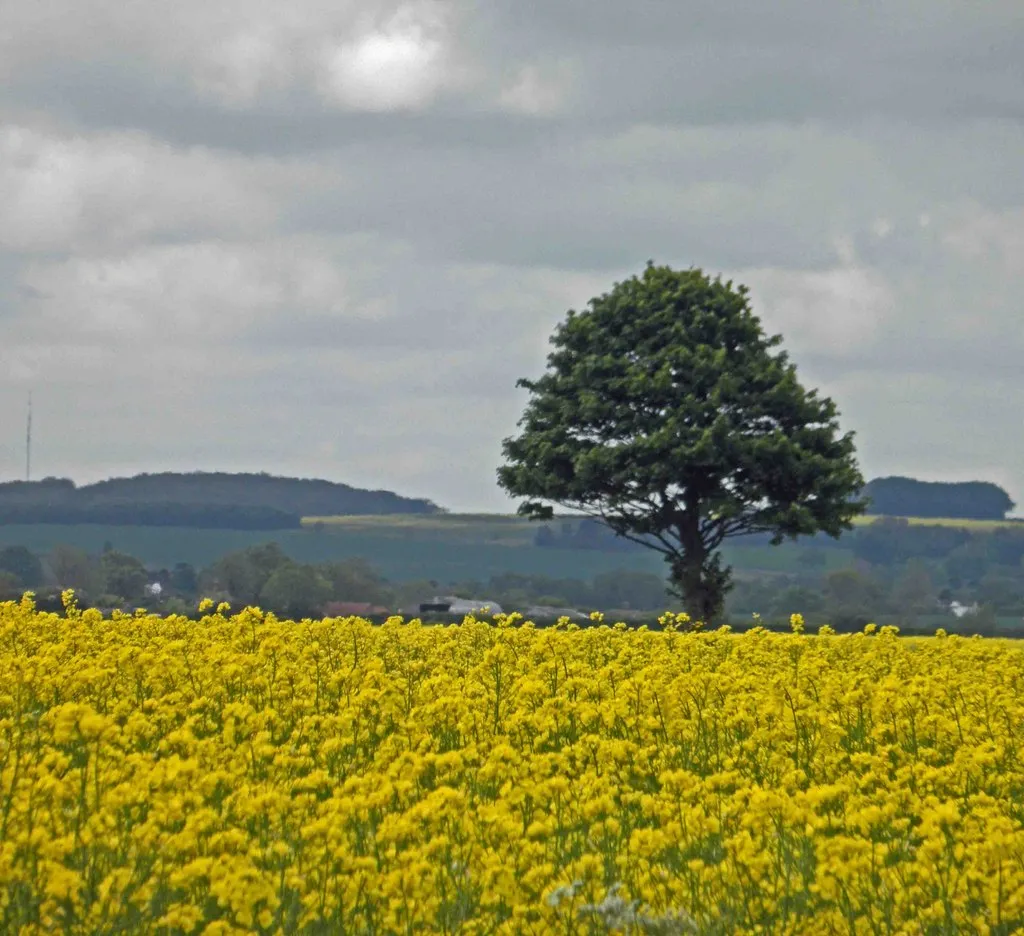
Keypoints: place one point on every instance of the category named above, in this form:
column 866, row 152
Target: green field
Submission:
column 510, row 527
column 976, row 525
column 443, row 548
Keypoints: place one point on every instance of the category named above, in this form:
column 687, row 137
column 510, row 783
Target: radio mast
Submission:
column 28, row 440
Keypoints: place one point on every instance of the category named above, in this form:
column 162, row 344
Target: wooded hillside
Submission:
column 197, row 499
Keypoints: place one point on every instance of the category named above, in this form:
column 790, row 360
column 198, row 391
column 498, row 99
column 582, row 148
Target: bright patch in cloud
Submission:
column 400, row 66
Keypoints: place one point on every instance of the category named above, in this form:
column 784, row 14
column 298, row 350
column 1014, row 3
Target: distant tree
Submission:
column 852, row 598
column 908, row 497
column 23, row 564
column 914, row 592
column 10, row 586
column 881, row 542
column 356, row 580
column 295, row 591
column 1006, row 546
column 624, row 588
column 666, row 414
column 184, row 579
column 75, row 568
column 244, row 573
column 1004, row 593
column 967, row 564
column 796, row 599
column 983, row 621
column 753, row 595
column 123, row 575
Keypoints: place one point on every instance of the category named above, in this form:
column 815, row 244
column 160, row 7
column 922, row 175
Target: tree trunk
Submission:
column 698, row 576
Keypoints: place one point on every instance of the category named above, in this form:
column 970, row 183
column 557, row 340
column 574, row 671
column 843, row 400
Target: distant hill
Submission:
column 908, row 497
column 197, row 499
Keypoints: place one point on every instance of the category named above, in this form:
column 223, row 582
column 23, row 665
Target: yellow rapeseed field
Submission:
column 241, row 774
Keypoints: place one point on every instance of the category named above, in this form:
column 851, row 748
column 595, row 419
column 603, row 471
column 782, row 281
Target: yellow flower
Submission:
column 242, row 774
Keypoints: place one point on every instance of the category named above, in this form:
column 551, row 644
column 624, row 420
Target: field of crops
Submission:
column 240, row 774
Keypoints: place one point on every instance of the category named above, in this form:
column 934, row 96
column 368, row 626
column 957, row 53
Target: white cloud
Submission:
column 398, row 65
column 188, row 295
column 88, row 193
column 836, row 312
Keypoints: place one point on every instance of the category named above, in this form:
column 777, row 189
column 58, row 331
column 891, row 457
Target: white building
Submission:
column 449, row 604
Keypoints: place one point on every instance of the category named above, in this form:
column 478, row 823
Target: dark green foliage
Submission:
column 666, row 413
column 243, row 574
column 22, row 565
column 797, row 599
column 632, row 590
column 967, row 564
column 908, row 497
column 893, row 540
column 200, row 499
column 75, row 568
column 585, row 534
column 355, row 580
column 123, row 576
column 1006, row 547
column 184, row 579
column 295, row 591
column 851, row 598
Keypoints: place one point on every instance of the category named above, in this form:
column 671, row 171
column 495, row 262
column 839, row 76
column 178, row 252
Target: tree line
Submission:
column 205, row 500
column 901, row 573
column 908, row 497
column 265, row 576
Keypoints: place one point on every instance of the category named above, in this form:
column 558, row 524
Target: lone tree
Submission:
column 665, row 413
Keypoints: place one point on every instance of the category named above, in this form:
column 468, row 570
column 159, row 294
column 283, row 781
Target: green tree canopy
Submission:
column 296, row 591
column 244, row 573
column 908, row 497
column 667, row 413
column 23, row 565
column 123, row 575
column 74, row 568
column 356, row 580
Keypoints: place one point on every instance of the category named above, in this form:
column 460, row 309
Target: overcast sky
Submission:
column 324, row 238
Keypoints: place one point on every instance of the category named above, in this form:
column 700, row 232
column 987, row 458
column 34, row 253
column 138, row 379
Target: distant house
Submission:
column 961, row 610
column 451, row 605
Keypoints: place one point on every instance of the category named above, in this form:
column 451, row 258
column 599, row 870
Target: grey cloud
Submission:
column 118, row 95
column 681, row 63
column 354, row 294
